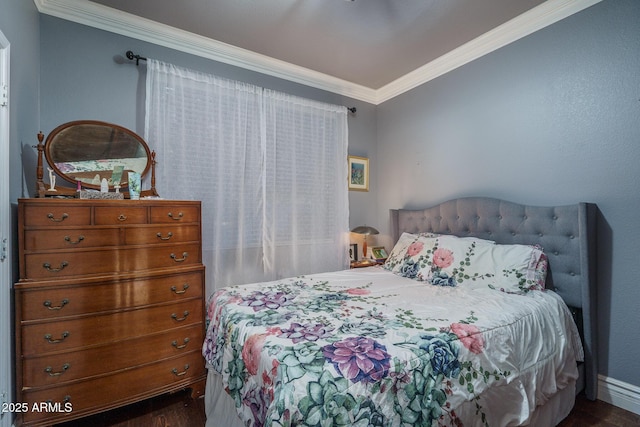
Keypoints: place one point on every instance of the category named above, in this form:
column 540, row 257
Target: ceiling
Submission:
column 366, row 49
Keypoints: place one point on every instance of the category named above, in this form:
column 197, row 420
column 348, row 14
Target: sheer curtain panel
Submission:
column 269, row 168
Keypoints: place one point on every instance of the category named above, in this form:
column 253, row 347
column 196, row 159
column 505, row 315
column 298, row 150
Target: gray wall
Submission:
column 19, row 22
column 551, row 119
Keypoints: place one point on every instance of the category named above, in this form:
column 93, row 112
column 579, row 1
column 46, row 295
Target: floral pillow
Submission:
column 540, row 272
column 509, row 268
column 406, row 253
column 415, row 252
column 452, row 261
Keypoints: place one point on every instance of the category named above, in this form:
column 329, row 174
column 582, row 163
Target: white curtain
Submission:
column 269, row 168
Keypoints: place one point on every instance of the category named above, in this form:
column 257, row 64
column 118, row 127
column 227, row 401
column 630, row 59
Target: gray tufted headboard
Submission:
column 566, row 233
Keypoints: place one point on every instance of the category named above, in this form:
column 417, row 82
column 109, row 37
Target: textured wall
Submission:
column 553, row 118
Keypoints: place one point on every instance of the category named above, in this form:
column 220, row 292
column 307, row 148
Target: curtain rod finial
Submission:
column 131, row 56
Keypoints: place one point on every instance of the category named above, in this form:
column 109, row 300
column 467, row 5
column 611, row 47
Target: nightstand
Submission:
column 365, row 263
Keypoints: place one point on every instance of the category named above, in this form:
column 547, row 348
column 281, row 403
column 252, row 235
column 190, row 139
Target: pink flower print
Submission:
column 470, row 336
column 211, row 308
column 215, row 301
column 358, row 291
column 251, row 352
column 268, row 376
column 273, row 330
column 442, row 257
column 415, row 248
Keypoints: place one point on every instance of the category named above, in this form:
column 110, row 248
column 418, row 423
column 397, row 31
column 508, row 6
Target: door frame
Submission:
column 6, row 335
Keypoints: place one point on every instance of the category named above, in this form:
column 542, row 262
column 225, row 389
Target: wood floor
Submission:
column 169, row 410
column 587, row 413
column 179, row 410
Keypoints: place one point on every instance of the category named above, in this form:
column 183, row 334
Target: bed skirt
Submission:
column 218, row 405
column 220, row 409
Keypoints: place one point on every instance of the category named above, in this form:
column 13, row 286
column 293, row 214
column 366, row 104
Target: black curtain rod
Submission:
column 131, row 56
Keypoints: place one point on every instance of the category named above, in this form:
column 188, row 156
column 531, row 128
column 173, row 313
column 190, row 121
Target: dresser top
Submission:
column 104, row 202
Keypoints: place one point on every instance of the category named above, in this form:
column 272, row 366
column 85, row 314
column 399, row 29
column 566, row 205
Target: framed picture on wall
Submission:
column 358, row 173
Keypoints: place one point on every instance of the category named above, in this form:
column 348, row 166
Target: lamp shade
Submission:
column 365, row 229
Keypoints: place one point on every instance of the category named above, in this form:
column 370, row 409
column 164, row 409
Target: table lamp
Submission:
column 364, row 230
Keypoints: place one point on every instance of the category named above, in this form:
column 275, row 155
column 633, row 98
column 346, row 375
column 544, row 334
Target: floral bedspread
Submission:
column 366, row 347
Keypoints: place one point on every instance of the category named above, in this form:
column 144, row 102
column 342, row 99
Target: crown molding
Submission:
column 105, row 18
column 126, row 24
column 521, row 26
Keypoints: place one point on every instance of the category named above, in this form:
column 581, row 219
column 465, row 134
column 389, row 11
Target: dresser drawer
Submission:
column 56, row 215
column 61, row 335
column 70, row 238
column 118, row 215
column 64, row 367
column 162, row 234
column 50, row 302
column 60, row 264
column 114, row 390
column 175, row 214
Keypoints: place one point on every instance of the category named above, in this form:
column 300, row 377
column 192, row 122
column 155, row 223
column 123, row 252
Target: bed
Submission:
column 454, row 329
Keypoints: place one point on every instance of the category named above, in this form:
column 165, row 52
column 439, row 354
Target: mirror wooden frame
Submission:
column 42, row 190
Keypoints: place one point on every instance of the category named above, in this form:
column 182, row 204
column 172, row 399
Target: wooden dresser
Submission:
column 109, row 306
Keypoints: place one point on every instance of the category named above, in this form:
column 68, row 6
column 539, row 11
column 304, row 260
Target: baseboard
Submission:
column 618, row 393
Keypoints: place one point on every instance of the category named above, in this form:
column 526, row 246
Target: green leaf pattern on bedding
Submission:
column 345, row 359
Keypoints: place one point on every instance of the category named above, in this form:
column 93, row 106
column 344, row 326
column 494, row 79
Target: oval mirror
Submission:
column 89, row 150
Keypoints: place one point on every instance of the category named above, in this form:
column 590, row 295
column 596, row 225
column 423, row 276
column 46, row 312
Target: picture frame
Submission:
column 353, row 252
column 358, row 173
column 379, row 253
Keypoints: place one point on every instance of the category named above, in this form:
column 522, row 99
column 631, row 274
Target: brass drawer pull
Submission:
column 184, row 289
column 178, row 218
column 52, row 217
column 63, row 264
column 184, row 257
column 49, row 370
column 180, row 319
column 66, row 399
column 179, row 374
column 47, row 304
column 180, row 347
column 169, row 235
column 50, row 340
column 68, row 240
column 122, row 217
